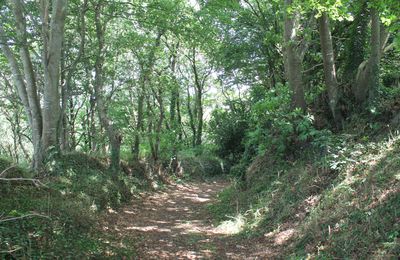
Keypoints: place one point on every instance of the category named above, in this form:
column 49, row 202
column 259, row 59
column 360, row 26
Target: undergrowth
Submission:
column 59, row 217
column 343, row 202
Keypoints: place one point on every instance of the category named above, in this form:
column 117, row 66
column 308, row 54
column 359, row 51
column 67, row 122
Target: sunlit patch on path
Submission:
column 175, row 224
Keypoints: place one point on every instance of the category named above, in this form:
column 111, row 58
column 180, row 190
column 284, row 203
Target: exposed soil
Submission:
column 175, row 224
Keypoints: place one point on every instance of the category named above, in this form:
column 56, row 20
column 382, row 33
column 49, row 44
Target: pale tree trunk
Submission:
column 367, row 79
column 29, row 82
column 113, row 134
column 43, row 121
column 67, row 131
column 292, row 58
column 34, row 119
column 330, row 69
column 53, row 38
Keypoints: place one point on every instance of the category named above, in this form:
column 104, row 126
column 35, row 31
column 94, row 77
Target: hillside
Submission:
column 345, row 204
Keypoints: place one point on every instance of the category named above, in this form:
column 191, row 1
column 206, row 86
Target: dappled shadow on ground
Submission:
column 175, row 224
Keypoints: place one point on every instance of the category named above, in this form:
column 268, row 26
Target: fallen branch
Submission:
column 6, row 170
column 24, row 216
column 11, row 251
column 35, row 182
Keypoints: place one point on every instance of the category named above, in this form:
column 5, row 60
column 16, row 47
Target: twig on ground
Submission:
column 24, row 216
column 35, row 182
column 11, row 251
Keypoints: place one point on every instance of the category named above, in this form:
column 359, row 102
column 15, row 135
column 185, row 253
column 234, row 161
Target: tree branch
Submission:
column 6, row 170
column 35, row 182
column 25, row 216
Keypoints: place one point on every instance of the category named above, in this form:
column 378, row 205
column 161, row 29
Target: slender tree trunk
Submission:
column 159, row 97
column 375, row 54
column 113, row 135
column 179, row 118
column 198, row 111
column 199, row 104
column 150, row 123
column 293, row 60
column 145, row 77
column 64, row 129
column 330, row 69
column 175, row 116
column 68, row 139
column 199, row 107
column 139, row 126
column 191, row 118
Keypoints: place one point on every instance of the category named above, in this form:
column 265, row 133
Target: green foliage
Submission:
column 362, row 210
column 78, row 189
column 238, row 170
column 200, row 166
column 228, row 129
column 345, row 204
column 280, row 130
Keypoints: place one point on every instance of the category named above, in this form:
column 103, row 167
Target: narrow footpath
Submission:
column 175, row 224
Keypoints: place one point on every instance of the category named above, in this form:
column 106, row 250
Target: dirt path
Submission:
column 175, row 224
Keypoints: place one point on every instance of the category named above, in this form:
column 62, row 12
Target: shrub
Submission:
column 201, row 166
column 228, row 129
column 78, row 187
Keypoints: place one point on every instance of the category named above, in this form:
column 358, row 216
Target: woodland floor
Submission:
column 175, row 224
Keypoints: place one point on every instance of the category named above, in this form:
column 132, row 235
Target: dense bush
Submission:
column 200, row 166
column 228, row 129
column 280, row 131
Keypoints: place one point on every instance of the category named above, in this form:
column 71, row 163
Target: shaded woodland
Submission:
column 296, row 103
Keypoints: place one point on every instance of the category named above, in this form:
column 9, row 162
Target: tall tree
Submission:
column 293, row 55
column 43, row 120
column 114, row 137
column 329, row 68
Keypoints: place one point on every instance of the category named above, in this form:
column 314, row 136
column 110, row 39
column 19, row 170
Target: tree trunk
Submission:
column 199, row 105
column 67, row 121
column 191, row 118
column 139, row 126
column 355, row 45
column 145, row 77
column 199, row 82
column 367, row 79
column 113, row 135
column 292, row 59
column 375, row 54
column 330, row 69
column 43, row 121
column 51, row 63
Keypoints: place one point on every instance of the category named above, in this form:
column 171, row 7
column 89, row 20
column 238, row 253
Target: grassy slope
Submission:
column 351, row 211
column 78, row 189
